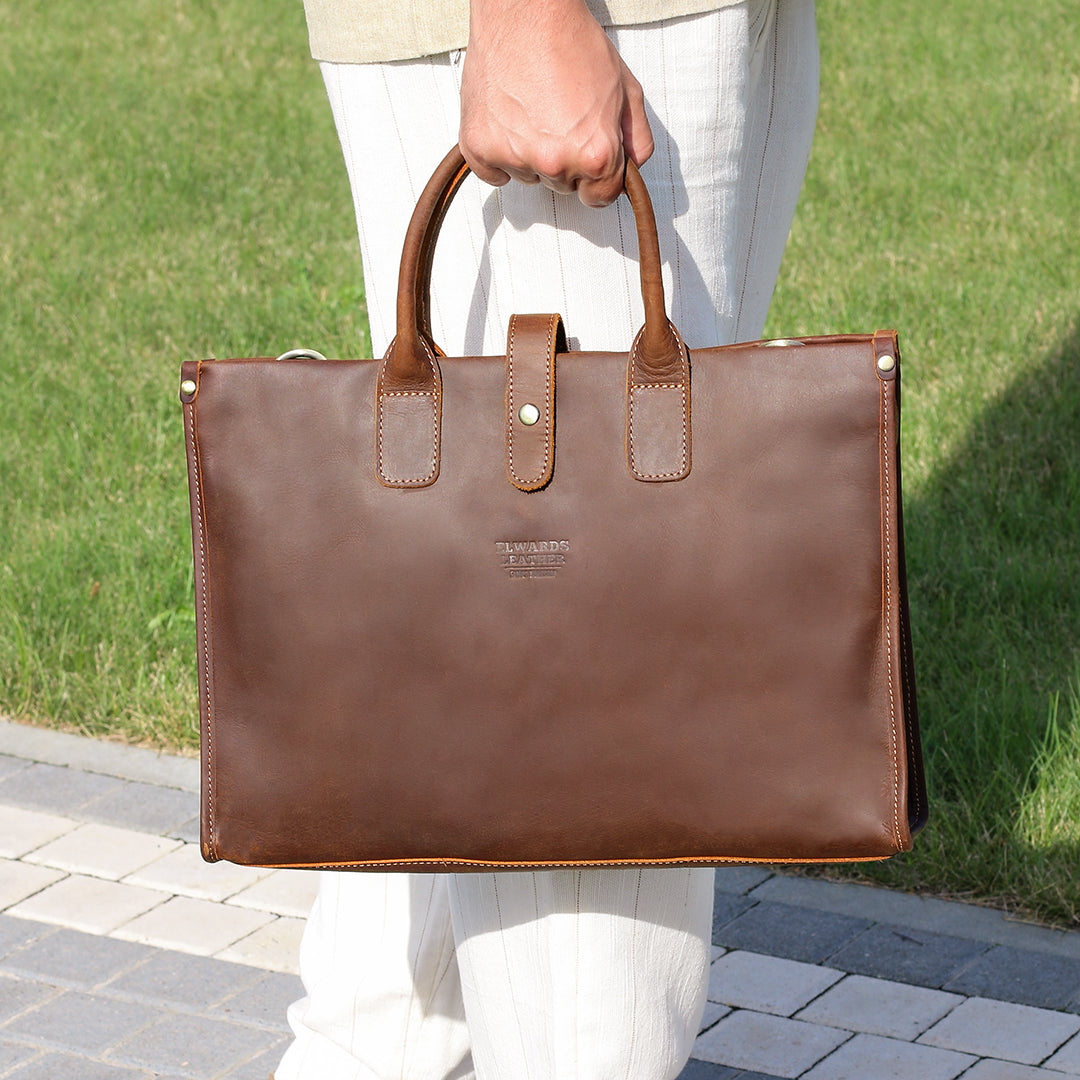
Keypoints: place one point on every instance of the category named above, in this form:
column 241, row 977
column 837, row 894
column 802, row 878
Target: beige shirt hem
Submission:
column 372, row 31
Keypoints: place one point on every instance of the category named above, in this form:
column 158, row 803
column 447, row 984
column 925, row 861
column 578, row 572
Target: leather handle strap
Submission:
column 409, row 385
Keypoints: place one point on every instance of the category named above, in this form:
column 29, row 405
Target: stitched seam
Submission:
column 510, row 400
column 383, row 394
column 196, row 473
column 886, row 612
column 510, row 439
column 905, row 648
column 906, row 676
column 634, row 387
column 586, row 864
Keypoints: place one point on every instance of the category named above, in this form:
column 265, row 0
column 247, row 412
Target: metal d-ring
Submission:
column 301, row 354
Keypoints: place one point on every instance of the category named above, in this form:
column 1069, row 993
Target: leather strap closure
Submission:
column 531, row 344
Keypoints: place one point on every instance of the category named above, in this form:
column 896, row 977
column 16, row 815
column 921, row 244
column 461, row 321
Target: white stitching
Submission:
column 886, row 576
column 634, row 386
column 196, row 476
column 584, row 864
column 433, row 394
column 548, row 365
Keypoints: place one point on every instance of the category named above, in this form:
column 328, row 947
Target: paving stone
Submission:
column 889, row 1059
column 275, row 946
column 195, row 982
column 12, row 1054
column 194, row 926
column 54, row 788
column 792, row 932
column 23, row 830
column 77, row 960
column 283, row 892
column 193, row 1045
column 102, row 1022
column 67, row 1067
column 103, row 851
column 264, row 1002
column 712, row 1014
column 9, row 765
column 1020, row 975
column 146, row 807
column 911, row 956
column 772, row 1044
column 880, row 1007
column 988, row 1069
column 740, row 879
column 767, row 983
column 707, row 1070
column 87, row 903
column 1000, row 1029
column 15, row 933
column 19, row 880
column 258, row 1068
column 189, row 831
column 16, row 995
column 1067, row 1059
column 727, row 906
column 756, row 1076
column 184, row 872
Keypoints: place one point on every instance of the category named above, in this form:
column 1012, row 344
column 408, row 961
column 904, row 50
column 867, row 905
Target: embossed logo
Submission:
column 532, row 558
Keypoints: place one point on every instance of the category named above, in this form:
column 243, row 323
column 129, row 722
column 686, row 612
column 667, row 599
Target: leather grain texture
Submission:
column 594, row 671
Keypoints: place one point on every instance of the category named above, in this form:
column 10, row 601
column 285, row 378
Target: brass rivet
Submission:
column 188, row 386
column 528, row 414
column 886, row 362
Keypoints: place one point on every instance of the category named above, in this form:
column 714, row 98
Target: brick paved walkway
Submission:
column 123, row 956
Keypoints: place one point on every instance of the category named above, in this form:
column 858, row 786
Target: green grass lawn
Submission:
column 171, row 188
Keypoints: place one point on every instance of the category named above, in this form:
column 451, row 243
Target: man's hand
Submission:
column 546, row 98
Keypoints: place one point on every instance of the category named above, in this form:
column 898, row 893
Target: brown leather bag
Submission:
column 554, row 608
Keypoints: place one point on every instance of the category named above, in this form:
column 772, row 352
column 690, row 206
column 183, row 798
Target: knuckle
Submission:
column 598, row 159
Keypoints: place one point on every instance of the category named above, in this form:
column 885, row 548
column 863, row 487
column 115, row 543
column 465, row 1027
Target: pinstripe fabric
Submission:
column 569, row 975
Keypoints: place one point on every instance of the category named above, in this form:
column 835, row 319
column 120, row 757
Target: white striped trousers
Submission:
column 565, row 975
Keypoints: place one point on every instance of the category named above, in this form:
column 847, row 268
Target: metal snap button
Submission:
column 528, row 414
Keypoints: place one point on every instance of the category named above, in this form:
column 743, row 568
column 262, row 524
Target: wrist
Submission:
column 492, row 18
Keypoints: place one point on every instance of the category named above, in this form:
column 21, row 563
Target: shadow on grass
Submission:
column 994, row 576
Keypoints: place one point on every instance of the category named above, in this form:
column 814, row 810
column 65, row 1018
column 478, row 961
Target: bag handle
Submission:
column 410, row 382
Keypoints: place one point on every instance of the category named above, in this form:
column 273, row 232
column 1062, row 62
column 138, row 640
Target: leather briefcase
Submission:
column 552, row 608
